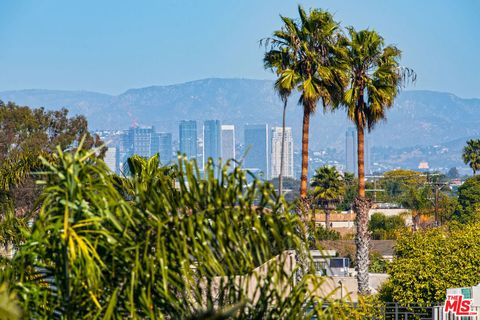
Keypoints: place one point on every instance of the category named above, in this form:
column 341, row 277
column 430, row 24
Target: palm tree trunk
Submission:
column 305, row 129
column 361, row 206
column 282, row 156
column 327, row 219
column 361, row 161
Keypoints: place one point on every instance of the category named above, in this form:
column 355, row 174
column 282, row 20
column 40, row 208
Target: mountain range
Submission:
column 418, row 118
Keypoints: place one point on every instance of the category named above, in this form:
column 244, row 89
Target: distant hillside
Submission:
column 418, row 118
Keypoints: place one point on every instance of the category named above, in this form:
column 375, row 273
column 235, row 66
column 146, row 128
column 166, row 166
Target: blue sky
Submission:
column 110, row 45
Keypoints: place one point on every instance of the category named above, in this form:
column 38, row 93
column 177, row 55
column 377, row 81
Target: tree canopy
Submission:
column 25, row 135
column 385, row 227
column 430, row 261
column 468, row 208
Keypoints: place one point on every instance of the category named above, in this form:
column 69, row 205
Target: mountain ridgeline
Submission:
column 418, row 118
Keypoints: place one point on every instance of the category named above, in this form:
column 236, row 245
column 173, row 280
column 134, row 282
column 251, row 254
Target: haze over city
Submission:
column 111, row 46
column 220, row 159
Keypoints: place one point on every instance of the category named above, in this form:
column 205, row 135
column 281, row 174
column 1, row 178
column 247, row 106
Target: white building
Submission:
column 111, row 159
column 228, row 142
column 276, row 154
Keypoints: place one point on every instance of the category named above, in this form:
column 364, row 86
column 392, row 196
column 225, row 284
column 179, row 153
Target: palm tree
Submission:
column 279, row 61
column 329, row 188
column 471, row 154
column 304, row 53
column 374, row 77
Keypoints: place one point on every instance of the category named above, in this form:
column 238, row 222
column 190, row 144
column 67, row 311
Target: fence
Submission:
column 395, row 311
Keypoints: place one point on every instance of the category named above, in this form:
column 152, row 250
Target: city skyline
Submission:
column 164, row 144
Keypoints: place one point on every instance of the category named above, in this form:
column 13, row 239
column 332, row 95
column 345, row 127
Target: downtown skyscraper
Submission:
column 351, row 150
column 257, row 149
column 351, row 156
column 276, row 154
column 188, row 138
column 228, row 143
column 139, row 141
column 212, row 140
column 164, row 147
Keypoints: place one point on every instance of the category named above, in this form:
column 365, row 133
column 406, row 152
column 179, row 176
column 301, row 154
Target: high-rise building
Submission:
column 228, row 143
column 212, row 140
column 188, row 138
column 351, row 151
column 111, row 159
column 367, row 156
column 276, row 154
column 257, row 149
column 139, row 141
column 164, row 147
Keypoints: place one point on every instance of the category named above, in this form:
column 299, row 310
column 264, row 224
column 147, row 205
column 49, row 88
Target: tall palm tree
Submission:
column 374, row 77
column 471, row 154
column 279, row 62
column 329, row 188
column 304, row 53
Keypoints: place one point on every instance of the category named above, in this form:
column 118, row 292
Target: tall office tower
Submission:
column 139, row 141
column 351, row 151
column 212, row 140
column 368, row 155
column 111, row 158
column 256, row 148
column 228, row 143
column 276, row 154
column 164, row 142
column 188, row 138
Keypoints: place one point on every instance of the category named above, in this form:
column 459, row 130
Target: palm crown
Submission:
column 305, row 56
column 374, row 77
column 471, row 154
column 328, row 184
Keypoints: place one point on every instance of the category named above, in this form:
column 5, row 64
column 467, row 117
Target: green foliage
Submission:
column 469, row 201
column 163, row 243
column 351, row 191
column 428, row 262
column 471, row 154
column 328, row 186
column 377, row 263
column 25, row 135
column 447, row 205
column 321, row 233
column 374, row 75
column 36, row 130
column 305, row 56
column 9, row 309
column 417, row 199
column 385, row 228
column 397, row 183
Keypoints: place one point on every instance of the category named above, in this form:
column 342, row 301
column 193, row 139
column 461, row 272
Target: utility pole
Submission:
column 437, row 186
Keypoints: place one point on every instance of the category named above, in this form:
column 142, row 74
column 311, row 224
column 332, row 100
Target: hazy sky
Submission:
column 111, row 45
